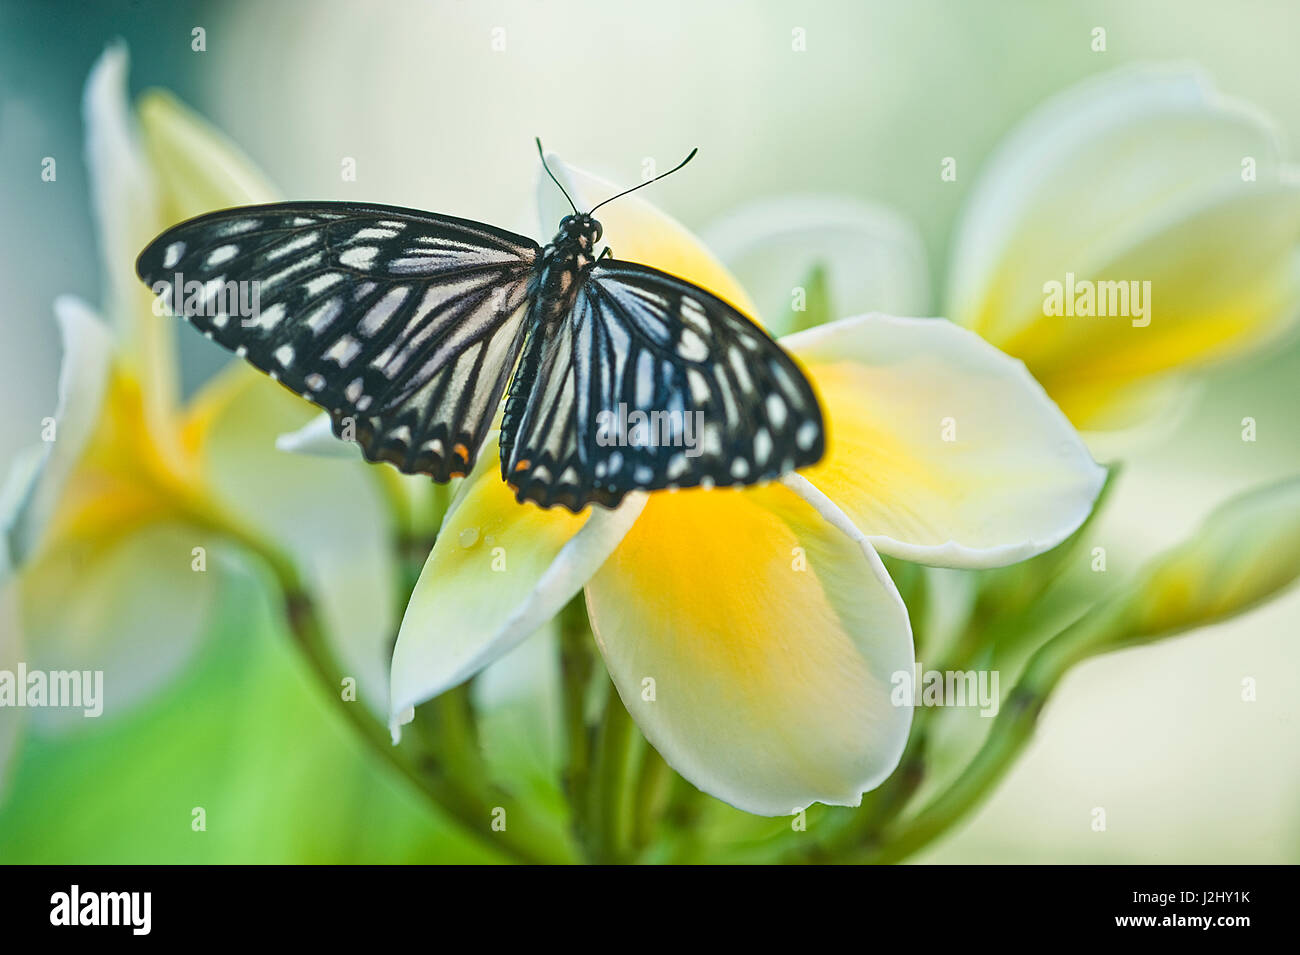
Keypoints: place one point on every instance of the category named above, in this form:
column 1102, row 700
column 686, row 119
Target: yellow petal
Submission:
column 499, row 571
column 636, row 231
column 1137, row 176
column 1222, row 280
column 754, row 643
column 198, row 169
column 942, row 449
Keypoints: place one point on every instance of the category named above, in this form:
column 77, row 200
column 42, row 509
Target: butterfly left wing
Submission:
column 403, row 325
column 653, row 383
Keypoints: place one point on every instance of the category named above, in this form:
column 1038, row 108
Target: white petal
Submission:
column 1150, row 181
column 941, row 448
column 83, row 376
column 124, row 200
column 499, row 571
column 873, row 258
column 755, row 640
column 316, row 439
column 636, row 230
column 134, row 608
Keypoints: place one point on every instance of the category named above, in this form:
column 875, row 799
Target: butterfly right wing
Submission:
column 403, row 325
column 642, row 350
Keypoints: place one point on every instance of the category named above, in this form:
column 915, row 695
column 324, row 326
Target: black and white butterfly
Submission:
column 407, row 327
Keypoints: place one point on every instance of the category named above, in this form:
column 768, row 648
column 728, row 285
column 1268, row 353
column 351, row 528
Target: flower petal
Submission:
column 316, row 439
column 754, row 640
column 10, row 654
column 127, row 216
column 124, row 200
column 873, row 258
column 942, row 449
column 498, row 572
column 636, row 231
column 1137, row 176
column 133, row 606
column 198, row 168
column 1223, row 280
column 83, row 378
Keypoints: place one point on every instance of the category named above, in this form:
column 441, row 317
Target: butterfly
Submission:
column 410, row 327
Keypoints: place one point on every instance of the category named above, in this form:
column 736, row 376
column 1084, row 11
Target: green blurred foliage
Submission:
column 246, row 734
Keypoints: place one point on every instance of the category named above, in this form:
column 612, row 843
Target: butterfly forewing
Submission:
column 402, row 324
column 654, row 383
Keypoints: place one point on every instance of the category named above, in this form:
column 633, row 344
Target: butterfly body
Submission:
column 409, row 328
column 562, row 266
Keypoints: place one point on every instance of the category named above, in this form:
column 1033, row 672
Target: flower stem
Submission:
column 449, row 792
column 654, row 782
column 610, row 829
column 576, row 667
column 1011, row 732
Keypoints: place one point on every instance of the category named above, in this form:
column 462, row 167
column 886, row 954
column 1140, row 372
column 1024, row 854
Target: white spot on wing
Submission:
column 383, row 310
column 414, row 265
column 359, row 257
column 321, row 318
column 775, row 410
column 691, row 346
column 297, row 243
column 344, row 350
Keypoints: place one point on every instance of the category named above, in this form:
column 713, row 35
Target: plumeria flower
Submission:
column 1146, row 176
column 753, row 633
column 116, row 528
column 1135, row 176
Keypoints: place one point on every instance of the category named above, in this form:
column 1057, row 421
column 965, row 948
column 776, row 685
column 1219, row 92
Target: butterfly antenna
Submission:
column 552, row 175
column 648, row 181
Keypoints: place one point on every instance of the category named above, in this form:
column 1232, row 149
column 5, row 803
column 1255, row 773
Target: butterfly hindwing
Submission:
column 654, row 383
column 402, row 324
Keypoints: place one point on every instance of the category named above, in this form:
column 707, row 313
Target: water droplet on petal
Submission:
column 468, row 537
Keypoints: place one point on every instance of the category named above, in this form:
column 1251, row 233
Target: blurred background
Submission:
column 435, row 117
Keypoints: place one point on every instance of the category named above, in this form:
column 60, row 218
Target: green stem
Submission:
column 654, row 781
column 448, row 793
column 1011, row 732
column 610, row 816
column 576, row 667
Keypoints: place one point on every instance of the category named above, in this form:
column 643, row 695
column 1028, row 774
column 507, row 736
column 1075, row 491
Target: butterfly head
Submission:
column 580, row 231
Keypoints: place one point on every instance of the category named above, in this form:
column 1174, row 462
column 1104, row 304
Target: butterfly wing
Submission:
column 402, row 324
column 653, row 383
